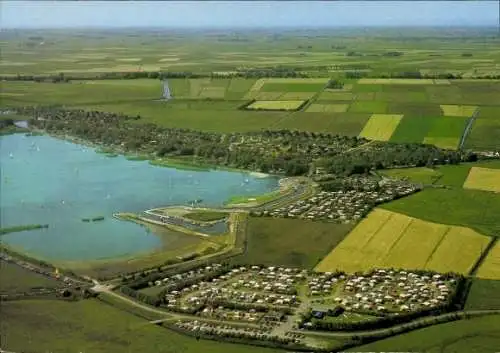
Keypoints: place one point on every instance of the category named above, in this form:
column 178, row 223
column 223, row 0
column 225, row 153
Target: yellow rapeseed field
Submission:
column 490, row 268
column 458, row 110
column 276, row 105
column 381, row 126
column 416, row 244
column 483, row 179
column 457, row 242
column 388, row 239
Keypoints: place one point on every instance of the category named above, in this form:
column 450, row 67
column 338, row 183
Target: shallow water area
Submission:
column 45, row 180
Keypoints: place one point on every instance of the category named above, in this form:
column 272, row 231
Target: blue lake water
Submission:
column 45, row 180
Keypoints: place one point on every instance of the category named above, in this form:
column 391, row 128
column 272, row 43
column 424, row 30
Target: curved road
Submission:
column 340, row 334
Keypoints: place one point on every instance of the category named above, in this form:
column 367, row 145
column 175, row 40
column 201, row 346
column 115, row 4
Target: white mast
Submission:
column 166, row 90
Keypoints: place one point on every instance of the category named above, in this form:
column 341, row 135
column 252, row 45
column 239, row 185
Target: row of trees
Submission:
column 277, row 72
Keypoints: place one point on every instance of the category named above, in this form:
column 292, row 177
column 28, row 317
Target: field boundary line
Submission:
column 378, row 230
column 397, row 240
column 429, row 258
column 483, row 256
column 467, row 129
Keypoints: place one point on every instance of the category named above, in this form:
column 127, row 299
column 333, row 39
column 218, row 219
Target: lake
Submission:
column 45, row 180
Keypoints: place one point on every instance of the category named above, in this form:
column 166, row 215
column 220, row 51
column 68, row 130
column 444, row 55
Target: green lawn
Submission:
column 15, row 278
column 477, row 335
column 483, row 294
column 484, row 135
column 413, row 129
column 447, row 126
column 206, row 216
column 373, row 107
column 290, row 242
column 418, row 175
column 92, row 326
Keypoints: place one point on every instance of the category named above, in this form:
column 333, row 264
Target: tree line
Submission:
column 283, row 152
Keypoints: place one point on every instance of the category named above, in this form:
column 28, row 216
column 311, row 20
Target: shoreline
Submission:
column 168, row 162
column 83, row 265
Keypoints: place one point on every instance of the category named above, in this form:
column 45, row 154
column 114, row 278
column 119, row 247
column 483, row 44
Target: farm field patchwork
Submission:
column 421, row 122
column 380, row 127
column 446, row 132
column 373, row 107
column 484, row 135
column 335, row 96
column 387, row 239
column 468, row 208
column 450, row 175
column 349, row 124
column 412, row 129
column 275, row 105
column 458, row 110
column 490, row 268
column 483, row 179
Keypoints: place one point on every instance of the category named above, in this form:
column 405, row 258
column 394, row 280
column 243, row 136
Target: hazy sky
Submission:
column 53, row 14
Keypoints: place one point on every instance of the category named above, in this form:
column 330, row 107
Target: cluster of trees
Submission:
column 382, row 155
column 147, row 299
column 6, row 123
column 393, row 53
column 355, row 74
column 335, row 84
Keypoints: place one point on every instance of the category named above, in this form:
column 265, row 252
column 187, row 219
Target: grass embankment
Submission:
column 478, row 334
column 15, row 229
column 14, row 278
column 92, row 326
column 206, row 216
column 290, row 242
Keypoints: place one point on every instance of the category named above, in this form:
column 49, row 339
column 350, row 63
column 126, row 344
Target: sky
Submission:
column 244, row 14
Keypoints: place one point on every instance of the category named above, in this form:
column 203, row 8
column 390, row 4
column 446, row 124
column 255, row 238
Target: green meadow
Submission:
column 92, row 326
column 476, row 335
